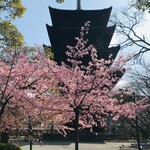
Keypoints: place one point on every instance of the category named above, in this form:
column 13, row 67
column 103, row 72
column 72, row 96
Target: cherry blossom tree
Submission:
column 38, row 90
column 23, row 76
column 84, row 88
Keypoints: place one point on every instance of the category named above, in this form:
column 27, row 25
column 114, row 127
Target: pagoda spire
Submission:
column 78, row 4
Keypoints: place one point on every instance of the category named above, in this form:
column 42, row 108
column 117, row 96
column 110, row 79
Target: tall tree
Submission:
column 139, row 78
column 23, row 76
column 84, row 89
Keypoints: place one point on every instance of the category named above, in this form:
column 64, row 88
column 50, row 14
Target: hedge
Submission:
column 4, row 146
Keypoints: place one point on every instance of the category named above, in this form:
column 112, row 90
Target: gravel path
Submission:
column 82, row 146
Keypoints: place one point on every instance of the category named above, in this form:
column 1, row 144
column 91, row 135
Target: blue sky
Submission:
column 32, row 24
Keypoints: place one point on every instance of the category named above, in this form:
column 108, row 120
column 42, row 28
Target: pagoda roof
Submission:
column 105, row 53
column 77, row 18
column 61, row 36
column 59, row 53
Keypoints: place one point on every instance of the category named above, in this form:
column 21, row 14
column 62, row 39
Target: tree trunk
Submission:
column 137, row 126
column 77, row 130
column 137, row 133
column 30, row 135
column 30, row 144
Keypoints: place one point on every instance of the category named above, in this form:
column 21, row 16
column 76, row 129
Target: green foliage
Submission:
column 59, row 1
column 4, row 146
column 49, row 52
column 10, row 10
column 9, row 35
column 142, row 4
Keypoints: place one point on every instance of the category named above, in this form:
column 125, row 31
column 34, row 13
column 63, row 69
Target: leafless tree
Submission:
column 140, row 81
column 127, row 23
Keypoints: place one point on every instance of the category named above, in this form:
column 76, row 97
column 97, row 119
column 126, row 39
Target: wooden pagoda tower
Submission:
column 66, row 25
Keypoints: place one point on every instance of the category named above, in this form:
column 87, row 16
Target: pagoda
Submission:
column 66, row 25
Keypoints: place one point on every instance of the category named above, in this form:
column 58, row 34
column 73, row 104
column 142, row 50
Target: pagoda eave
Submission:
column 68, row 18
column 99, row 37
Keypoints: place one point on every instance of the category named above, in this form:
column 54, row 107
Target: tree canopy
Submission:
column 9, row 35
column 14, row 8
column 84, row 94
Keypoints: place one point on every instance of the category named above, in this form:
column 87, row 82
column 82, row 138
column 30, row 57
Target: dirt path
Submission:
column 82, row 146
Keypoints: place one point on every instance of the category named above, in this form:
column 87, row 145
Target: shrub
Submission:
column 4, row 146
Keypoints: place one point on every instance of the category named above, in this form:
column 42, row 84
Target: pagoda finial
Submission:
column 78, row 4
